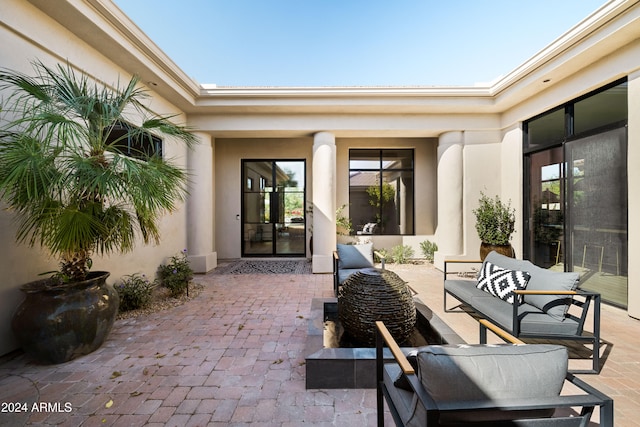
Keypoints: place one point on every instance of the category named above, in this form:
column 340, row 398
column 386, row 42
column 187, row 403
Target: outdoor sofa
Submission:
column 483, row 385
column 527, row 301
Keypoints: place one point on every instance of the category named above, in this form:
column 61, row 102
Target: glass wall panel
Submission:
column 598, row 213
column 381, row 191
column 364, row 214
column 601, row 109
column 576, row 197
column 397, row 159
column 546, row 130
column 546, row 208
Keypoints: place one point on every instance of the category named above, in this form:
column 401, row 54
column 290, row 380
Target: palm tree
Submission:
column 65, row 174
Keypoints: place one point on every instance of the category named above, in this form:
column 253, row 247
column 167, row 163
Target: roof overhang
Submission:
column 107, row 29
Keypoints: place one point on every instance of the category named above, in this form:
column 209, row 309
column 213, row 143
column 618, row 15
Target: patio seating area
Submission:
column 235, row 356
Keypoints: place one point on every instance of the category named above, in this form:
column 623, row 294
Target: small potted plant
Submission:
column 74, row 191
column 495, row 223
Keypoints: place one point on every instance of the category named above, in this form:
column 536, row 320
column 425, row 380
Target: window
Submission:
column 381, row 191
column 126, row 139
column 595, row 112
column 545, row 130
column 576, row 195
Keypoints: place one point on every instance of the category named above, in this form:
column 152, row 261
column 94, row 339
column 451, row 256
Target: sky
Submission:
column 353, row 42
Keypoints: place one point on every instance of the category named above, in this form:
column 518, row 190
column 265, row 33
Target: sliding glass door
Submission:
column 597, row 220
column 546, row 207
column 273, row 211
column 576, row 194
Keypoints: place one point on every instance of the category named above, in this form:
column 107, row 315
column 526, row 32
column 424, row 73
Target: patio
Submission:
column 235, row 356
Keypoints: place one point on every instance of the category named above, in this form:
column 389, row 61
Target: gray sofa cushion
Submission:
column 546, row 280
column 532, row 320
column 344, row 273
column 510, row 263
column 355, row 256
column 404, row 400
column 463, row 289
column 480, row 372
column 541, row 280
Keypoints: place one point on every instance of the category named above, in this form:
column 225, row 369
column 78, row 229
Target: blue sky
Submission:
column 353, row 42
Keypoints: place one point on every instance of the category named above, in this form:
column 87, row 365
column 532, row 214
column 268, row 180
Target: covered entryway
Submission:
column 273, row 208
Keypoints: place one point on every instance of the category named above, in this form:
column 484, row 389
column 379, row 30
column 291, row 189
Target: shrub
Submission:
column 134, row 291
column 401, row 253
column 494, row 220
column 176, row 275
column 428, row 248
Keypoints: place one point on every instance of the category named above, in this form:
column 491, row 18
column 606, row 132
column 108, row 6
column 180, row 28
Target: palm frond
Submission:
column 71, row 191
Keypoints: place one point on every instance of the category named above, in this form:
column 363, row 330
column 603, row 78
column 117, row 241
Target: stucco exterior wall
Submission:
column 482, row 159
column 28, row 35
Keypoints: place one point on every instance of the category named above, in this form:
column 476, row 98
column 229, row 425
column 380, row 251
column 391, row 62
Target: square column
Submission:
column 324, row 201
column 201, row 206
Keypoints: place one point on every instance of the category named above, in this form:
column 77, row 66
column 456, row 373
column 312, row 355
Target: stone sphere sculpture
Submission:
column 373, row 294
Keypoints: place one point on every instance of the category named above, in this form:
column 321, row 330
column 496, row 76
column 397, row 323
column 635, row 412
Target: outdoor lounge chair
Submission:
column 348, row 259
column 483, row 385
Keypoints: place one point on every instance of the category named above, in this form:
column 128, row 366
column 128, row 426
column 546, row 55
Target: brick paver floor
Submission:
column 234, row 356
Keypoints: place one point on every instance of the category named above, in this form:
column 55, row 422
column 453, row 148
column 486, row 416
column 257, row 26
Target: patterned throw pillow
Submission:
column 501, row 282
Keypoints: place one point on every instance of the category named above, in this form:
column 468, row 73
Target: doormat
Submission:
column 266, row 267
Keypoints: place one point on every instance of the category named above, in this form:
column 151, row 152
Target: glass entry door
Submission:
column 273, row 208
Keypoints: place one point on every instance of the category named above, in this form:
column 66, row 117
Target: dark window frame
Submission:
column 570, row 136
column 381, row 170
column 569, row 132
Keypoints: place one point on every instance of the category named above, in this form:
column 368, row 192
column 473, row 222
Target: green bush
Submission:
column 401, row 253
column 176, row 275
column 134, row 291
column 428, row 248
column 494, row 220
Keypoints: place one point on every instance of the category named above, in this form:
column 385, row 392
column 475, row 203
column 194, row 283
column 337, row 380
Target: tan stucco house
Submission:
column 559, row 136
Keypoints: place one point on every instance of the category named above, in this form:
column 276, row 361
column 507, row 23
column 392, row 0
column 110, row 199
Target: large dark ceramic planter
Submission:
column 506, row 250
column 56, row 324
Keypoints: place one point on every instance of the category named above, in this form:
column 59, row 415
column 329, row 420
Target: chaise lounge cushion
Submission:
column 355, row 256
column 489, row 372
column 541, row 279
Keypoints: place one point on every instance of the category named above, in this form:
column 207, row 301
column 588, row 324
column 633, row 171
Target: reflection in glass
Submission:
column 381, row 191
column 546, row 208
column 601, row 109
column 546, row 130
column 274, row 217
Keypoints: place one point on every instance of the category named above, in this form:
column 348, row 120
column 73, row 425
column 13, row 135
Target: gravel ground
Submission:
column 161, row 300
